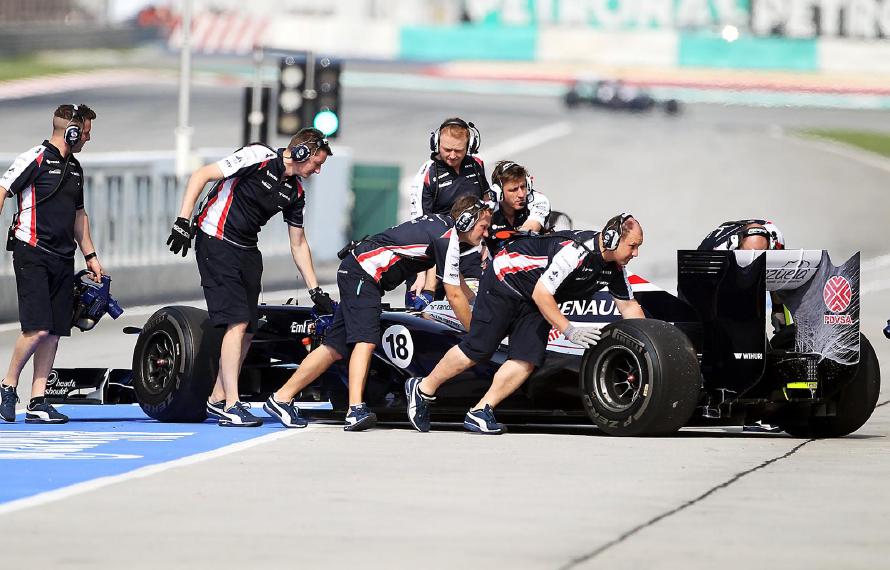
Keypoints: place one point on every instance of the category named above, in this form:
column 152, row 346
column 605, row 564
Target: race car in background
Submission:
column 615, row 94
column 702, row 358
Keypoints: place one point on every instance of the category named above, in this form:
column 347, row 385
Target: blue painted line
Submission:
column 102, row 441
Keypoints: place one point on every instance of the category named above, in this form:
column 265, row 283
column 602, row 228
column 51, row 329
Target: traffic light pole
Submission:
column 256, row 118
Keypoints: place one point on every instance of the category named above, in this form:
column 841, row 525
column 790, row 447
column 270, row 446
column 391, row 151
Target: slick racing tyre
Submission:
column 855, row 401
column 174, row 364
column 642, row 378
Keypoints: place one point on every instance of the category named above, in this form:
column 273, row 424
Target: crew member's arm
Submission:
column 415, row 193
column 564, row 262
column 630, row 309
column 455, row 287
column 299, row 249
column 623, row 294
column 538, row 212
column 549, row 308
column 20, row 174
column 2, row 198
column 195, row 186
column 82, row 236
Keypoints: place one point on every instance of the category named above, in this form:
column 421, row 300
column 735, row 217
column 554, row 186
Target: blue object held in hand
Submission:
column 92, row 300
column 418, row 302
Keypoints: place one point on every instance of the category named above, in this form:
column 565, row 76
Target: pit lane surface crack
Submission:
column 692, row 502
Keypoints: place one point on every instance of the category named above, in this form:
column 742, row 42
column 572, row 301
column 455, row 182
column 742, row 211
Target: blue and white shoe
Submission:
column 44, row 413
column 360, row 418
column 8, row 399
column 215, row 410
column 288, row 414
column 238, row 415
column 418, row 405
column 482, row 421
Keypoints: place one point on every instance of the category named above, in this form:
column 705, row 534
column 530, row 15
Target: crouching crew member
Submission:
column 378, row 264
column 519, row 207
column 48, row 182
column 251, row 186
column 519, row 296
column 452, row 171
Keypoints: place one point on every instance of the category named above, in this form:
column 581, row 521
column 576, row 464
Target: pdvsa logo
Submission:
column 837, row 295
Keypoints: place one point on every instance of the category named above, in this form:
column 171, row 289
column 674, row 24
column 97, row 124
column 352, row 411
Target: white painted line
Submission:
column 147, row 471
column 875, row 263
column 528, row 140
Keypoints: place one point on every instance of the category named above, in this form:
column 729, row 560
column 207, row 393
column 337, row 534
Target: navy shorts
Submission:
column 231, row 277
column 45, row 286
column 358, row 315
column 497, row 314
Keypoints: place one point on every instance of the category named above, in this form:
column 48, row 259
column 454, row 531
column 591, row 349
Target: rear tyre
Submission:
column 855, row 401
column 175, row 363
column 642, row 378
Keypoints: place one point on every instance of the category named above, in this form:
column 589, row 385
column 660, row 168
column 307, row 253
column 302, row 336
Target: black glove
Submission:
column 322, row 301
column 180, row 236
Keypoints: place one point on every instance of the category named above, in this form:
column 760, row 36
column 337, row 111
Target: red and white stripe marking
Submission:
column 509, row 262
column 225, row 33
column 213, row 221
column 377, row 261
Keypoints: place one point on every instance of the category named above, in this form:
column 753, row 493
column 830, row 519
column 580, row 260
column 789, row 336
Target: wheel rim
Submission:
column 619, row 379
column 159, row 364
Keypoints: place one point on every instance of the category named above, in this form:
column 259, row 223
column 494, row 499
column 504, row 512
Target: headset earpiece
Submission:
column 73, row 130
column 468, row 218
column 300, row 153
column 612, row 231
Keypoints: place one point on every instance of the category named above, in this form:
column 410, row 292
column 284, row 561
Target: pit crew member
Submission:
column 378, row 264
column 519, row 207
column 453, row 170
column 519, row 296
column 50, row 222
column 250, row 186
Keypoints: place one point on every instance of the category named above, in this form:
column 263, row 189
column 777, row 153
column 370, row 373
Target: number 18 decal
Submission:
column 398, row 345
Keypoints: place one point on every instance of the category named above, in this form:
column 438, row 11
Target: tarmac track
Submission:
column 539, row 498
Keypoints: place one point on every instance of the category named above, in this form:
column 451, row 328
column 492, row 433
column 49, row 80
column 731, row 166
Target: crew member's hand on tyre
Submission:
column 322, row 301
column 583, row 336
column 180, row 236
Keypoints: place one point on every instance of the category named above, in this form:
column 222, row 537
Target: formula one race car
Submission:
column 615, row 95
column 703, row 358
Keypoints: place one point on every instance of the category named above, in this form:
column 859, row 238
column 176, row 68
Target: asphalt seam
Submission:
column 690, row 503
column 884, row 403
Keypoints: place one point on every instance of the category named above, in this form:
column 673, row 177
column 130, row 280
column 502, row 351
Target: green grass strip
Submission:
column 20, row 68
column 866, row 140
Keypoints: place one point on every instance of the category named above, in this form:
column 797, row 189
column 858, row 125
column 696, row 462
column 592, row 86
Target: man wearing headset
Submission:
column 375, row 265
column 751, row 234
column 520, row 208
column 250, row 186
column 519, row 296
column 453, row 170
column 48, row 183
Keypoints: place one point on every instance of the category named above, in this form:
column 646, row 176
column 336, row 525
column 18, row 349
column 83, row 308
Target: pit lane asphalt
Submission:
column 534, row 498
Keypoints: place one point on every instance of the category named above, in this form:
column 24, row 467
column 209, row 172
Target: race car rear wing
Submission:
column 728, row 291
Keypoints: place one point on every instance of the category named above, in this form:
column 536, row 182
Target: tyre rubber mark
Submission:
column 593, row 554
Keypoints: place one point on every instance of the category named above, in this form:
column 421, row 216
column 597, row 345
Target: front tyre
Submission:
column 642, row 378
column 174, row 364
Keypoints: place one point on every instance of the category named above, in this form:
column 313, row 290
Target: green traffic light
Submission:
column 327, row 122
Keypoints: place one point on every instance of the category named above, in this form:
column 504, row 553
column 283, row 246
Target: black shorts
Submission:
column 231, row 277
column 498, row 314
column 358, row 315
column 45, row 285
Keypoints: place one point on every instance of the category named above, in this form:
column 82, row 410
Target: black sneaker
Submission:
column 288, row 414
column 360, row 418
column 43, row 413
column 216, row 410
column 238, row 415
column 482, row 421
column 418, row 405
column 8, row 399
